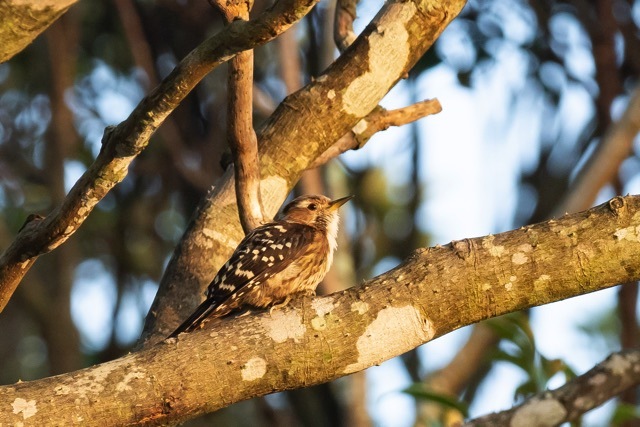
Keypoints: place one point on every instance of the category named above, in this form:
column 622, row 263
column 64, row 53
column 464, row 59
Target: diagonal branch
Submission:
column 379, row 119
column 433, row 292
column 619, row 372
column 293, row 137
column 121, row 144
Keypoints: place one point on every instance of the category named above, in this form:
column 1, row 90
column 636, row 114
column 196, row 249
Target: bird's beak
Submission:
column 335, row 204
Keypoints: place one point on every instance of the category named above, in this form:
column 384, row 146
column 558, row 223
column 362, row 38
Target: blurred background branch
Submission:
column 617, row 373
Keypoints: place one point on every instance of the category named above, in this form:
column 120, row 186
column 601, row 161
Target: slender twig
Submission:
column 379, row 119
column 241, row 136
column 603, row 29
column 627, row 308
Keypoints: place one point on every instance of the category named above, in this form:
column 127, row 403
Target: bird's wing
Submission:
column 264, row 252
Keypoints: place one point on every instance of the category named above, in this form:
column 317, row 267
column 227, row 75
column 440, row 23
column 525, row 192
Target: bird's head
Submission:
column 316, row 211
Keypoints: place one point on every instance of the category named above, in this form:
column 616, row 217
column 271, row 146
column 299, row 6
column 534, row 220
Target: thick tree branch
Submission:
column 123, row 143
column 23, row 21
column 434, row 292
column 617, row 373
column 292, row 139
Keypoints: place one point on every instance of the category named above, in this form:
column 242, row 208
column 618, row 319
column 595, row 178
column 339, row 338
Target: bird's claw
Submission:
column 279, row 305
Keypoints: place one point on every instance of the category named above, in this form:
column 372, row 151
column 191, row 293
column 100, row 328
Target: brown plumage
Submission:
column 274, row 261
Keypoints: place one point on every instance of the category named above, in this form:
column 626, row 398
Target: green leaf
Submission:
column 419, row 391
column 624, row 412
column 526, row 389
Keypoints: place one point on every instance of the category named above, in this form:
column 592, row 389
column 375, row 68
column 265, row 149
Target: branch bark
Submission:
column 23, row 21
column 123, row 143
column 243, row 141
column 241, row 137
column 435, row 291
column 378, row 120
column 617, row 373
column 295, row 135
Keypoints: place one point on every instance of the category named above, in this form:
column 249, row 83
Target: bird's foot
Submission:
column 309, row 293
column 279, row 305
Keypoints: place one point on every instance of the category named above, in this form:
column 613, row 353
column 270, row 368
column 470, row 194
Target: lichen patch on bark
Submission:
column 282, row 325
column 124, row 384
column 542, row 281
column 494, row 250
column 394, row 331
column 519, row 258
column 360, row 306
column 389, row 52
column 215, row 237
column 323, row 306
column 619, row 365
column 597, row 380
column 271, row 189
column 546, row 412
column 62, row 389
column 319, row 323
column 631, row 233
column 361, row 126
column 94, row 383
column 254, row 369
column 27, row 407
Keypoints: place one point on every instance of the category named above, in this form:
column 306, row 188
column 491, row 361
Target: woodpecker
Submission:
column 276, row 260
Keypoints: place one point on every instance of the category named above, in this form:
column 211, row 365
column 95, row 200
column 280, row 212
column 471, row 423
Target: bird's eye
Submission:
column 312, row 207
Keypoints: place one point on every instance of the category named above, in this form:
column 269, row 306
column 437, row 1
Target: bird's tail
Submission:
column 196, row 319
